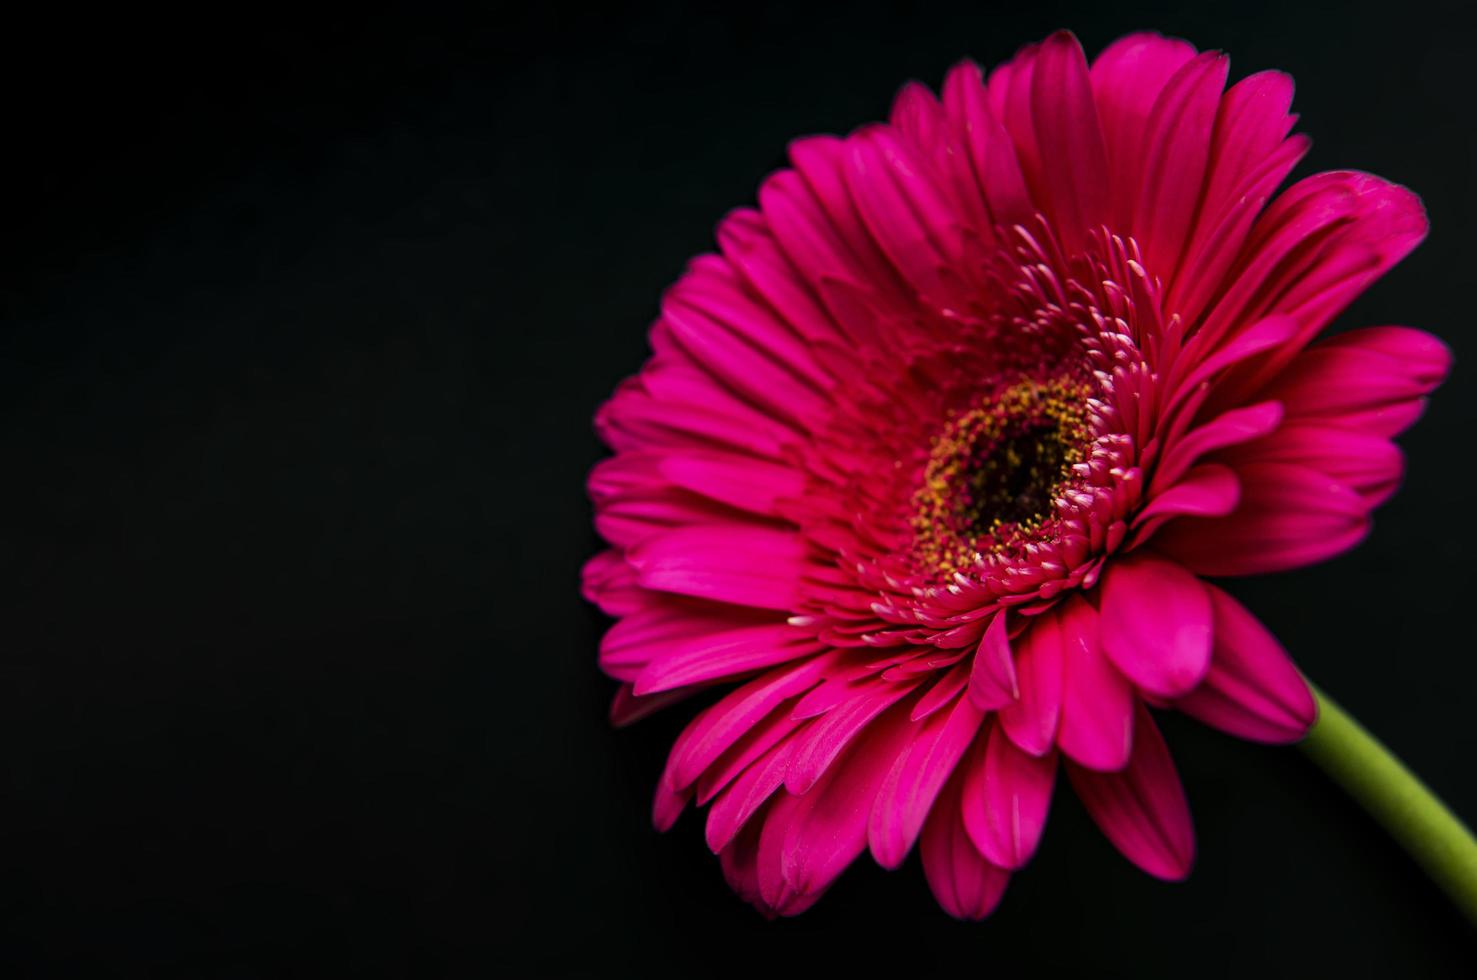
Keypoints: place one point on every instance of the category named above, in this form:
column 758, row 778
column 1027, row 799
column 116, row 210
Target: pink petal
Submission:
column 1073, row 158
column 670, row 799
column 749, row 748
column 664, row 625
column 937, row 138
column 992, row 681
column 1313, row 250
column 1369, row 464
column 740, row 863
column 1126, row 80
column 1250, row 156
column 747, row 565
column 965, row 884
column 827, row 828
column 609, row 581
column 1253, row 691
column 1372, row 379
column 1253, row 123
column 1176, row 149
column 746, row 483
column 917, row 116
column 819, row 227
column 1032, row 721
column 1289, row 516
column 1006, row 796
column 635, row 420
column 730, row 354
column 667, row 805
column 1228, row 429
column 1142, row 809
column 719, row 726
column 1008, row 95
column 825, row 740
column 1223, row 351
column 917, row 776
column 1097, row 702
column 1208, row 490
column 984, row 140
column 723, row 655
column 745, row 796
column 1389, row 221
column 943, row 691
column 1221, row 234
column 1303, row 213
column 908, row 216
column 749, row 244
column 633, row 501
column 717, row 291
column 1425, row 357
column 1155, row 624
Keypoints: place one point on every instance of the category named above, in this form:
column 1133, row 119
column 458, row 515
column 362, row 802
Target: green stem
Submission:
column 1402, row 804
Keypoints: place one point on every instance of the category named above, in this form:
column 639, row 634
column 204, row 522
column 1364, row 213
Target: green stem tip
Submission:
column 1402, row 804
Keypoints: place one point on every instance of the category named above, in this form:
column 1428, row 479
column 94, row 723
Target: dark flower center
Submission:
column 995, row 470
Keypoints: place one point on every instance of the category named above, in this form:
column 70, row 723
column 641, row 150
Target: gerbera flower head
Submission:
column 923, row 479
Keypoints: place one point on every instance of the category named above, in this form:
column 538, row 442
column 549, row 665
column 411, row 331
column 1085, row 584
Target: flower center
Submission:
column 995, row 470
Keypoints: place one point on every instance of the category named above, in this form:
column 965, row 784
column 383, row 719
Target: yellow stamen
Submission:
column 993, row 471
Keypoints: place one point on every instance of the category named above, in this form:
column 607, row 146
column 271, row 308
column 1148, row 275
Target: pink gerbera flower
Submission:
column 931, row 462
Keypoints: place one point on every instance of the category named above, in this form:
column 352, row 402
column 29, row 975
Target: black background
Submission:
column 303, row 325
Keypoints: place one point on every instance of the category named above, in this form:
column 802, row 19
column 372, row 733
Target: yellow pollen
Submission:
column 994, row 470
